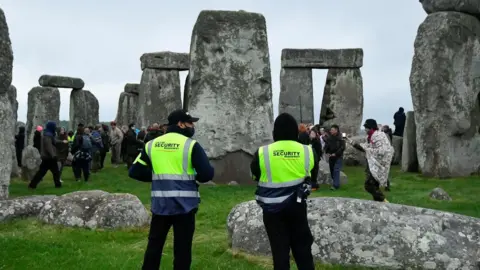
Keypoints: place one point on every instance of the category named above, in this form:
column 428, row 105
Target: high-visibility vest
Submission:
column 284, row 165
column 174, row 189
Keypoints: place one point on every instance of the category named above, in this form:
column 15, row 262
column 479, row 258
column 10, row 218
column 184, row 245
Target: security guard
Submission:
column 283, row 170
column 172, row 162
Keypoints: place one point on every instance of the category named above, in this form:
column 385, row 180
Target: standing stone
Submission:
column 230, row 90
column 6, row 113
column 159, row 95
column 43, row 106
column 186, row 93
column 132, row 88
column 84, row 108
column 12, row 96
column 397, row 143
column 127, row 109
column 409, row 148
column 6, row 55
column 6, row 142
column 31, row 161
column 445, row 83
column 296, row 94
column 342, row 102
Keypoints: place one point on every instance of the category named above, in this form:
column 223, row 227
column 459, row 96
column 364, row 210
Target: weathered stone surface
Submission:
column 31, row 161
column 165, row 60
column 84, row 108
column 465, row 6
column 440, row 194
column 12, row 97
column 324, row 176
column 127, row 111
column 296, row 94
column 371, row 234
column 6, row 55
column 409, row 148
column 6, row 142
column 353, row 157
column 22, row 207
column 447, row 64
column 397, row 143
column 159, row 95
column 95, row 209
column 233, row 166
column 322, row 58
column 343, row 97
column 61, row 82
column 230, row 85
column 132, row 88
column 43, row 106
column 186, row 92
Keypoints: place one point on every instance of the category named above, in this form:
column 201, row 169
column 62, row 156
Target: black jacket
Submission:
column 335, row 144
column 153, row 134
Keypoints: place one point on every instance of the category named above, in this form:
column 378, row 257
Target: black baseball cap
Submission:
column 180, row 116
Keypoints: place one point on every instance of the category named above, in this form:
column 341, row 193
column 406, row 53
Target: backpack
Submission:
column 87, row 143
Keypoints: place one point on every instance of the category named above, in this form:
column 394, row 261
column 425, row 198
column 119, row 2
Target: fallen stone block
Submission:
column 165, row 60
column 322, row 58
column 61, row 82
column 370, row 234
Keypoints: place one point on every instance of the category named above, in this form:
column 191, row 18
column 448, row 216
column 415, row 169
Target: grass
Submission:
column 28, row 244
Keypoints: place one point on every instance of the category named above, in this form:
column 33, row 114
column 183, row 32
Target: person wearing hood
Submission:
column 131, row 146
column 62, row 149
column 379, row 154
column 49, row 157
column 399, row 121
column 284, row 170
column 20, row 144
column 37, row 138
column 334, row 148
column 106, row 145
column 173, row 161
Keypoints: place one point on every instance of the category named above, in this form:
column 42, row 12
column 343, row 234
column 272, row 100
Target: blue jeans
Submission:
column 335, row 168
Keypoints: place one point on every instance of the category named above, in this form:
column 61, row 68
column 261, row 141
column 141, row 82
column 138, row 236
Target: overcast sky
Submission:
column 102, row 41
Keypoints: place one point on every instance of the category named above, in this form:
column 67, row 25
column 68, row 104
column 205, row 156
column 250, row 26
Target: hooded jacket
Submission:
column 284, row 129
column 48, row 148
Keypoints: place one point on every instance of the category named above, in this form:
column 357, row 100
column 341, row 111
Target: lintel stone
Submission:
column 165, row 60
column 322, row 58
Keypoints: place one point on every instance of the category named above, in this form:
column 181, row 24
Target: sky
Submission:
column 102, row 41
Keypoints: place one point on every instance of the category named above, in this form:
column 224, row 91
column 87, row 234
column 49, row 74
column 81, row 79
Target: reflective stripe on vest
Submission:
column 283, row 186
column 183, row 176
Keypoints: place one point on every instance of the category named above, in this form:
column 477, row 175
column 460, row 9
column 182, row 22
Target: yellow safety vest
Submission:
column 173, row 176
column 284, row 165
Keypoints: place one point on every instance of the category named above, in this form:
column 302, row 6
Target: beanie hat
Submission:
column 371, row 124
column 39, row 128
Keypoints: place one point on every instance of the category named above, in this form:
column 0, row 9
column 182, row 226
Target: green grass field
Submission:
column 28, row 244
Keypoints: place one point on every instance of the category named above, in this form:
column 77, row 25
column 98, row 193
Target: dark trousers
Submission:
column 129, row 160
column 373, row 187
column 335, row 168
column 45, row 166
column 288, row 229
column 103, row 155
column 183, row 229
column 80, row 166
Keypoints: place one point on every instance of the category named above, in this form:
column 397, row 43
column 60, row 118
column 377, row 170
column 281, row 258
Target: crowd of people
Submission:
column 84, row 149
column 285, row 171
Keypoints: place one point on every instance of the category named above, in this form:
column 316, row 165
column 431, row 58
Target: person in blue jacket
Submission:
column 173, row 163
